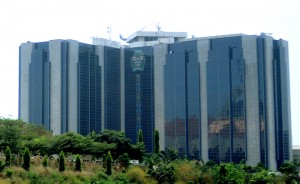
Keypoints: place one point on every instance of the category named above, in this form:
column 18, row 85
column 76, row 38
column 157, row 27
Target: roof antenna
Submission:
column 158, row 27
column 109, row 32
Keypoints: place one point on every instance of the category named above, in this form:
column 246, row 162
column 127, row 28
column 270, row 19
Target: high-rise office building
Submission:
column 222, row 98
column 70, row 86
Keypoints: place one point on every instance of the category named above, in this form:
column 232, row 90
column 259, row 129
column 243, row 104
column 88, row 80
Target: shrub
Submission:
column 7, row 156
column 61, row 161
column 26, row 159
column 77, row 163
column 124, row 160
column 45, row 161
column 1, row 166
column 121, row 178
column 136, row 175
column 9, row 173
column 186, row 172
column 102, row 175
column 108, row 164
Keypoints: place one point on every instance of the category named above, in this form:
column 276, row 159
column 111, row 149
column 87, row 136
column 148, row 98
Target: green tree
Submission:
column 123, row 144
column 289, row 169
column 108, row 164
column 45, row 161
column 26, row 159
column 61, row 161
column 124, row 160
column 10, row 135
column 78, row 163
column 140, row 136
column 156, row 141
column 7, row 156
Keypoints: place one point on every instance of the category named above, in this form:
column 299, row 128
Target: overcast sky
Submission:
column 43, row 20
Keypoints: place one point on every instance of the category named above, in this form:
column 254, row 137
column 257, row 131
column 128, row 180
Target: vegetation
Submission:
column 26, row 159
column 104, row 158
column 78, row 163
column 7, row 156
column 61, row 161
column 156, row 141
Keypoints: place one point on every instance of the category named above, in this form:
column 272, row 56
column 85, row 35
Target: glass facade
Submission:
column 89, row 90
column 39, row 85
column 112, row 88
column 262, row 101
column 226, row 101
column 203, row 114
column 281, row 99
column 139, row 94
column 182, row 99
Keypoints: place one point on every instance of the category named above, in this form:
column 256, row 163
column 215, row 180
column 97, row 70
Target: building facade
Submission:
column 223, row 98
column 70, row 86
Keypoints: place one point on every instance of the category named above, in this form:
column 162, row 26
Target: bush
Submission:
column 78, row 163
column 7, row 156
column 108, row 164
column 102, row 176
column 9, row 173
column 1, row 166
column 136, row 174
column 26, row 159
column 45, row 161
column 61, row 161
column 186, row 172
column 124, row 160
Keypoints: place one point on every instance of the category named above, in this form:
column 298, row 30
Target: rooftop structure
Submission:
column 150, row 38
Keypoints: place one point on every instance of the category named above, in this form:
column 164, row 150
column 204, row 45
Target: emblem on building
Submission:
column 138, row 61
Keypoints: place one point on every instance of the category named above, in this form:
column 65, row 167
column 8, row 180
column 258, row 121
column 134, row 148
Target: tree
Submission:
column 26, row 159
column 7, row 156
column 140, row 136
column 156, row 141
column 124, row 160
column 289, row 169
column 78, row 163
column 61, row 161
column 123, row 144
column 45, row 161
column 10, row 136
column 108, row 164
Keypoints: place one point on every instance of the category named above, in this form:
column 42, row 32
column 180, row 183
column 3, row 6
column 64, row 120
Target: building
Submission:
column 70, row 86
column 222, row 98
column 296, row 152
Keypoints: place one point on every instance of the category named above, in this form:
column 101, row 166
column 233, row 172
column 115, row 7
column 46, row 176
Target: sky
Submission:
column 43, row 20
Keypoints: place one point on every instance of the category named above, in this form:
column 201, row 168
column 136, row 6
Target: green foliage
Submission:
column 140, row 136
column 45, row 161
column 229, row 173
column 38, row 145
column 163, row 173
column 263, row 177
column 61, row 161
column 123, row 144
column 137, row 151
column 124, row 160
column 2, row 166
column 7, row 156
column 14, row 132
column 136, row 174
column 186, row 171
column 169, row 154
column 290, row 171
column 77, row 163
column 156, row 141
column 9, row 173
column 108, row 164
column 10, row 135
column 26, row 159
